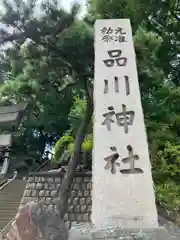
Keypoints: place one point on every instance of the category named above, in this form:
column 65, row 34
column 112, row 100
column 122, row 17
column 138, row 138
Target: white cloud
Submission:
column 67, row 4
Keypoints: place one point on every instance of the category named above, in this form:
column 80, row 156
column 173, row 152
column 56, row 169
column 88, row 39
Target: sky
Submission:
column 67, row 3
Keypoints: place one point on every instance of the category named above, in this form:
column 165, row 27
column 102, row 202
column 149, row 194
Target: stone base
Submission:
column 90, row 233
column 133, row 234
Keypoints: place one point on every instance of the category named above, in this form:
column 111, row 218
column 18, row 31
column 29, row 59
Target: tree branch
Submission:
column 60, row 27
column 175, row 16
column 62, row 204
column 11, row 37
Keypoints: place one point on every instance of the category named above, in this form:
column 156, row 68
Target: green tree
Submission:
column 64, row 148
column 156, row 38
column 50, row 64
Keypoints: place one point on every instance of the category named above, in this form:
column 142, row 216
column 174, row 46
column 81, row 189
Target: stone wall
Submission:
column 44, row 187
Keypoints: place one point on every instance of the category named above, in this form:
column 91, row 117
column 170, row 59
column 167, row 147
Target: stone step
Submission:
column 10, row 198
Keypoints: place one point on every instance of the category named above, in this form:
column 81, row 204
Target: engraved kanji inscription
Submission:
column 106, row 86
column 116, row 85
column 127, row 85
column 106, row 30
column 115, row 59
column 108, row 34
column 112, row 161
column 119, row 30
column 107, row 38
column 125, row 118
column 108, row 118
column 119, row 38
column 131, row 160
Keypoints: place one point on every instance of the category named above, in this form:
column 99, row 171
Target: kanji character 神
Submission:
column 108, row 119
column 125, row 118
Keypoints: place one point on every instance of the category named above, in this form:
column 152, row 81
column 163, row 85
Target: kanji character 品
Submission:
column 115, row 56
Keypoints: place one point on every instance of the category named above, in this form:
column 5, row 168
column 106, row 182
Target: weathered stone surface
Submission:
column 27, row 193
column 79, row 217
column 85, row 217
column 36, row 179
column 50, row 207
column 87, row 179
column 82, row 201
column 33, row 193
column 32, row 186
column 70, row 208
column 48, row 200
column 57, row 180
column 39, row 186
column 76, row 186
column 83, row 186
column 54, row 193
column 42, row 200
column 27, row 199
column 80, row 193
column 75, row 201
column 73, row 193
column 41, row 179
column 126, row 238
column 78, row 210
column 55, row 201
column 69, row 201
column 86, row 193
column 122, row 179
column 47, row 193
column 66, row 217
column 45, row 186
column 72, row 217
column 31, row 179
column 89, row 185
column 88, row 201
column 83, row 208
column 99, row 234
column 42, row 193
column 89, row 208
column 28, row 186
column 50, row 180
column 51, row 186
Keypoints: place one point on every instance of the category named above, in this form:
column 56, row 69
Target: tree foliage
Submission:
column 48, row 46
column 156, row 39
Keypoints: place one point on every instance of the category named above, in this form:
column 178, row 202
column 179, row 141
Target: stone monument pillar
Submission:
column 123, row 193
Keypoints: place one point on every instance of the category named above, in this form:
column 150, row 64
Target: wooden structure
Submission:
column 10, row 118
